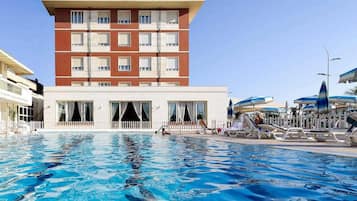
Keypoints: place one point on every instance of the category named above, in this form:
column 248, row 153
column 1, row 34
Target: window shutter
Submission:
column 103, row 39
column 124, row 39
column 124, row 61
column 172, row 64
column 172, row 17
column 124, row 17
column 145, row 63
column 145, row 38
column 77, row 38
column 172, row 39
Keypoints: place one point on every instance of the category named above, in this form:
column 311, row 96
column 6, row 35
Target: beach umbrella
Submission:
column 350, row 76
column 230, row 109
column 271, row 109
column 309, row 108
column 258, row 107
column 255, row 100
column 306, row 100
column 286, row 107
column 322, row 100
column 343, row 99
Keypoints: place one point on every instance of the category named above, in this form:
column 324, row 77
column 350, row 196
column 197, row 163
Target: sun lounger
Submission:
column 292, row 133
column 205, row 128
column 323, row 135
column 246, row 128
column 281, row 133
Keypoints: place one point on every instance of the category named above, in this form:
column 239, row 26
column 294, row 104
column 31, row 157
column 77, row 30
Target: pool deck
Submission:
column 333, row 148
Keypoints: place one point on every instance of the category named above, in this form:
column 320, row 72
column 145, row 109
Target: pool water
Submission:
column 136, row 167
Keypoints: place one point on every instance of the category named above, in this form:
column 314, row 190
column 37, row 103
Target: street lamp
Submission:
column 327, row 74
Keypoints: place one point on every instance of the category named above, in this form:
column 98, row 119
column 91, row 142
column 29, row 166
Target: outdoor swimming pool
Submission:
column 133, row 167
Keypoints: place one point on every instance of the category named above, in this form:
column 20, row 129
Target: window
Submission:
column 103, row 64
column 124, row 17
column 145, row 17
column 124, row 39
column 172, row 112
column 145, row 84
column 25, row 113
column 77, row 84
column 124, row 84
column 61, row 107
column 104, row 17
column 77, row 39
column 172, row 64
column 77, row 17
column 75, row 111
column 104, row 84
column 172, row 84
column 103, row 39
column 145, row 39
column 190, row 111
column 77, row 64
column 145, row 64
column 201, row 110
column 172, row 39
column 124, row 64
column 172, row 17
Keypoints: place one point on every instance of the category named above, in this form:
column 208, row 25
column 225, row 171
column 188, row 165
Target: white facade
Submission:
column 158, row 97
column 14, row 89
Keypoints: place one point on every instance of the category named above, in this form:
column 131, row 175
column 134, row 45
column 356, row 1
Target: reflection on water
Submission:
column 135, row 159
column 144, row 167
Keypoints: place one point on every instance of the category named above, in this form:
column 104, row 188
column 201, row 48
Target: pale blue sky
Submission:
column 254, row 47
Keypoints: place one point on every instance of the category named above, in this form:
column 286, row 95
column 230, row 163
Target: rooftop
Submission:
column 16, row 66
column 192, row 5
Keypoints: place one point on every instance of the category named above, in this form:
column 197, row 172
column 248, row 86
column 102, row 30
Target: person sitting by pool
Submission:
column 164, row 132
column 205, row 127
column 258, row 120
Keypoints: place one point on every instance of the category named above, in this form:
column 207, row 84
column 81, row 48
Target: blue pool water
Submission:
column 144, row 167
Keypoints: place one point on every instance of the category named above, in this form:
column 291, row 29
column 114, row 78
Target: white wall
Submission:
column 216, row 98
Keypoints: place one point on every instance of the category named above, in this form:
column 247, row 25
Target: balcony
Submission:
column 15, row 93
column 10, row 87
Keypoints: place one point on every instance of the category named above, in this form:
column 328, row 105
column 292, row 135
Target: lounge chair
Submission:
column 281, row 133
column 323, row 135
column 236, row 130
column 246, row 128
column 351, row 133
column 205, row 128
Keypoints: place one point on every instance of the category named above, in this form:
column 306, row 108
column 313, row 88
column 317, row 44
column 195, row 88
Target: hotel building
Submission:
column 19, row 97
column 125, row 62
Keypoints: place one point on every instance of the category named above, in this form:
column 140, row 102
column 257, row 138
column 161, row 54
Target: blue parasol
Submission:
column 350, row 76
column 255, row 100
column 322, row 100
column 230, row 109
column 343, row 99
column 306, row 100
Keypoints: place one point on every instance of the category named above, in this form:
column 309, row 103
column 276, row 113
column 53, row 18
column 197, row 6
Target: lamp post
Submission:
column 327, row 74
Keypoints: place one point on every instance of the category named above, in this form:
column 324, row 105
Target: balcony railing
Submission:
column 132, row 125
column 10, row 87
column 76, row 124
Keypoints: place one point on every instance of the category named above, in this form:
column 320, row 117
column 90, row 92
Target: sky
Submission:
column 253, row 47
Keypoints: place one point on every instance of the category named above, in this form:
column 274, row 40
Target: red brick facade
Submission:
column 63, row 50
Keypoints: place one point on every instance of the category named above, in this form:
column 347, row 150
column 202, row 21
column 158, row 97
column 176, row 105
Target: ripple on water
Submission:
column 145, row 167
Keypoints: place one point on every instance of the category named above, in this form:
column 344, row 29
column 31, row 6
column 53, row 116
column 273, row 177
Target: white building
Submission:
column 133, row 107
column 16, row 92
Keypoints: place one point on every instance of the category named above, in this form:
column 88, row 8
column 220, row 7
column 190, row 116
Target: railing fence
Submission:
column 311, row 121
